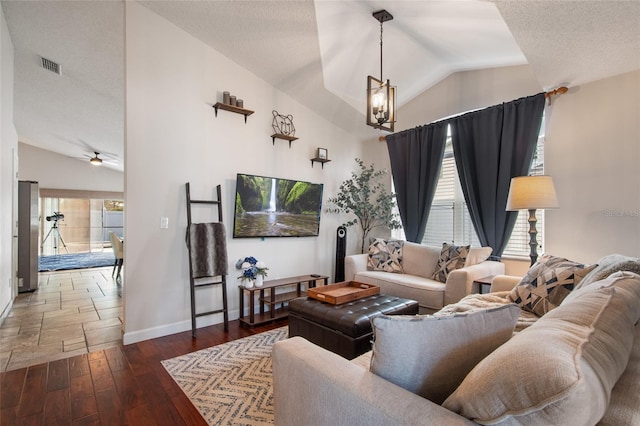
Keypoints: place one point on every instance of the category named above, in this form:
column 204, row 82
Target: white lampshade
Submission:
column 532, row 192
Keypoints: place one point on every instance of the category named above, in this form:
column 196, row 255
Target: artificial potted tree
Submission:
column 366, row 196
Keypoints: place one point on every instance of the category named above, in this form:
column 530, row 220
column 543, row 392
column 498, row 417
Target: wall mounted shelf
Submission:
column 283, row 137
column 231, row 108
column 319, row 160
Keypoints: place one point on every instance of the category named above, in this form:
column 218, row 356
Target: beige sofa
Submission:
column 419, row 263
column 315, row 387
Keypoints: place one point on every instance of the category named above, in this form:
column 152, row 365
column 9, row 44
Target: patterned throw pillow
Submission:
column 385, row 255
column 547, row 283
column 451, row 258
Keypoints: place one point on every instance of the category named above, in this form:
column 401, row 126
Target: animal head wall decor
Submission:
column 283, row 124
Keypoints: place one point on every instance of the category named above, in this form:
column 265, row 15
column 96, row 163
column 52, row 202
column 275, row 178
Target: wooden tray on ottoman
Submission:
column 339, row 293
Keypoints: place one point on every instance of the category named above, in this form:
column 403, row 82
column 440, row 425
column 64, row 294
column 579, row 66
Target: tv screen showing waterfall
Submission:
column 274, row 207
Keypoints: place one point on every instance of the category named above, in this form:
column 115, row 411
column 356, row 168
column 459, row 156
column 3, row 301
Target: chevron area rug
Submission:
column 230, row 384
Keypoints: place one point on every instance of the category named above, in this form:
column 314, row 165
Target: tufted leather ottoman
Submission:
column 343, row 329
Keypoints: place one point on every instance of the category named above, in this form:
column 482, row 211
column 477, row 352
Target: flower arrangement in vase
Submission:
column 253, row 271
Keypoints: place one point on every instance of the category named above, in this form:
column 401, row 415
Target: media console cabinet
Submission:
column 268, row 298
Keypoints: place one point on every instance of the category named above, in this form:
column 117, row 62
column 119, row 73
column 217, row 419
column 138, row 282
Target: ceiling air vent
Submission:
column 49, row 65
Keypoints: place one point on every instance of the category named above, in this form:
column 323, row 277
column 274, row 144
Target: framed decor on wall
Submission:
column 323, row 154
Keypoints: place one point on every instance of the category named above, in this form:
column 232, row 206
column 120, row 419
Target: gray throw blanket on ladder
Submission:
column 208, row 245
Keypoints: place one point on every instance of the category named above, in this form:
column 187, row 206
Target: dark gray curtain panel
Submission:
column 490, row 147
column 416, row 158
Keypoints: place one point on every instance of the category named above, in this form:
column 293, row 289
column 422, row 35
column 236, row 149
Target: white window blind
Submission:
column 449, row 219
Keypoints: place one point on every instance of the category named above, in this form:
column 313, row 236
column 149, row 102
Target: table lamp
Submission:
column 531, row 193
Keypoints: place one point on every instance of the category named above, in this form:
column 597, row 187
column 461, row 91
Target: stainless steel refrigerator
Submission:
column 28, row 227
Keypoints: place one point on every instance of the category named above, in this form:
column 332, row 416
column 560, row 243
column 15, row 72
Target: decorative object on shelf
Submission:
column 283, row 125
column 381, row 97
column 322, row 156
column 232, row 104
column 252, row 270
column 232, row 100
column 366, row 196
column 531, row 193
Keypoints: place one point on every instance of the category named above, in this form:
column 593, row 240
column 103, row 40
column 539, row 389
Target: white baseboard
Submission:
column 130, row 337
column 6, row 311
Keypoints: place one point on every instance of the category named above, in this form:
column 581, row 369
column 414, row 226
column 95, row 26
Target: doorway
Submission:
column 79, row 225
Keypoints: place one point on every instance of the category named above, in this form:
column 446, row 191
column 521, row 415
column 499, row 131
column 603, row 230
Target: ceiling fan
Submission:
column 98, row 158
column 96, row 161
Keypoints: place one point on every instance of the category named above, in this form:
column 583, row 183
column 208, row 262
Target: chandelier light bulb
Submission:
column 379, row 99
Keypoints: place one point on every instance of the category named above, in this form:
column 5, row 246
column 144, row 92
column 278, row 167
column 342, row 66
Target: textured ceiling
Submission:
column 82, row 110
column 317, row 52
column 424, row 43
column 572, row 43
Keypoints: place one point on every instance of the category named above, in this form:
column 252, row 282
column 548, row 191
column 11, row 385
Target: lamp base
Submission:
column 533, row 243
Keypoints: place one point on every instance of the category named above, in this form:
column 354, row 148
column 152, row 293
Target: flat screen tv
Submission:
column 274, row 207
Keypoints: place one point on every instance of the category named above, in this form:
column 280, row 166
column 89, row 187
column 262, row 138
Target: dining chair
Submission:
column 118, row 252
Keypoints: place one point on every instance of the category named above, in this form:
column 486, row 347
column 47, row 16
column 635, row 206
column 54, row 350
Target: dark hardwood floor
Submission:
column 123, row 385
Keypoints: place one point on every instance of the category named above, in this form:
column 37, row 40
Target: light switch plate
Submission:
column 164, row 223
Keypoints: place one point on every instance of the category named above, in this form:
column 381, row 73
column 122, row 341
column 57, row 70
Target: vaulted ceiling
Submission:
column 319, row 52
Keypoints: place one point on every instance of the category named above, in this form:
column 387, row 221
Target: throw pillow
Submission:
column 385, row 255
column 562, row 369
column 477, row 255
column 609, row 264
column 430, row 356
column 547, row 283
column 452, row 257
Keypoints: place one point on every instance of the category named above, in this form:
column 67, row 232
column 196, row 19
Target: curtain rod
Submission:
column 559, row 91
column 547, row 95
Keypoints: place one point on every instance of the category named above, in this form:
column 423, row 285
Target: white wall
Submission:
column 56, row 171
column 466, row 91
column 8, row 152
column 172, row 79
column 592, row 150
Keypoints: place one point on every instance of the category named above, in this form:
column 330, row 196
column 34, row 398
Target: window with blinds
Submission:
column 449, row 219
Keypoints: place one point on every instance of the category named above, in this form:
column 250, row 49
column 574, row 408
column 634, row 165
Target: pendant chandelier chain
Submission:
column 380, row 50
column 380, row 93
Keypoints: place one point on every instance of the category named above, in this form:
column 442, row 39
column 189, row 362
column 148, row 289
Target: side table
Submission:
column 267, row 297
column 483, row 281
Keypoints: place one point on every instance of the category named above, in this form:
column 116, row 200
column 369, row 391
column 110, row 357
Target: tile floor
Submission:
column 71, row 313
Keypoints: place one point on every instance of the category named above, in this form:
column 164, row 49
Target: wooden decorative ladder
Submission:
column 192, row 280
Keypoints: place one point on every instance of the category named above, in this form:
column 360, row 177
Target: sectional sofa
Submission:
column 578, row 364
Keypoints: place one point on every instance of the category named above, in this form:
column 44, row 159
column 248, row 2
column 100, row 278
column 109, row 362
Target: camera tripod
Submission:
column 56, row 235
